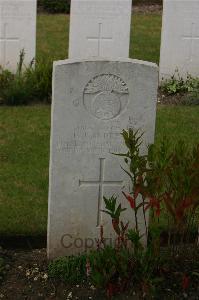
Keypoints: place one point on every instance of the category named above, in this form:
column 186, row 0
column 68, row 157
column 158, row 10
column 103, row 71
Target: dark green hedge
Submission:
column 63, row 6
column 136, row 2
column 55, row 6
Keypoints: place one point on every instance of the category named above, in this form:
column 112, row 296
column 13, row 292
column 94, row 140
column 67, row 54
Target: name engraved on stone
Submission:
column 100, row 183
column 193, row 38
column 88, row 139
column 105, row 96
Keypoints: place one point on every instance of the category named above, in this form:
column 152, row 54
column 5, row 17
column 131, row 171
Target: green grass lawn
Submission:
column 24, row 158
column 53, row 34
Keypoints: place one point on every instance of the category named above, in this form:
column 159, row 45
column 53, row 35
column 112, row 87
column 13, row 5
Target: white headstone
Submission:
column 180, row 38
column 17, row 31
column 100, row 28
column 93, row 101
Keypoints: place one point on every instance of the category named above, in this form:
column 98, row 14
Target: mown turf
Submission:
column 24, row 158
column 145, row 37
column 178, row 123
column 52, row 36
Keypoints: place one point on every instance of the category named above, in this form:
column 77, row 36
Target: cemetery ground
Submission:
column 24, row 158
column 25, row 133
column 24, row 166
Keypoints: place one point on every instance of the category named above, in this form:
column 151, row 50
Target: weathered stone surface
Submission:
column 180, row 38
column 93, row 100
column 17, row 31
column 99, row 28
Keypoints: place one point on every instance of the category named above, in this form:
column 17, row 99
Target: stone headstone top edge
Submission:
column 103, row 59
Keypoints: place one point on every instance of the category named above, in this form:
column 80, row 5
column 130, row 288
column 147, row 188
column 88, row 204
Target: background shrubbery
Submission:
column 147, row 2
column 31, row 83
column 63, row 6
column 187, row 88
column 55, row 6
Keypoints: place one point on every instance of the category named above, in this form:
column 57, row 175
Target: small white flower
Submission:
column 92, row 287
column 45, row 276
column 35, row 278
column 77, row 285
column 20, row 267
column 70, row 295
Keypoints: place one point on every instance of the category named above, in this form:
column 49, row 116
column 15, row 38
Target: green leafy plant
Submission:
column 110, row 205
column 166, row 180
column 188, row 88
column 177, row 84
column 174, row 182
column 39, row 80
column 140, row 201
column 71, row 269
column 108, row 265
column 137, row 167
column 28, row 84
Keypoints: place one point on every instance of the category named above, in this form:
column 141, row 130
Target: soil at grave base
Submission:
column 175, row 99
column 26, row 278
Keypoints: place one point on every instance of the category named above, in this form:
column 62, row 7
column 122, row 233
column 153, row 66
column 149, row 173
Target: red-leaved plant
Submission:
column 166, row 179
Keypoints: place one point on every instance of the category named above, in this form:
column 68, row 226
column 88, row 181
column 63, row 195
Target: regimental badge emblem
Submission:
column 105, row 96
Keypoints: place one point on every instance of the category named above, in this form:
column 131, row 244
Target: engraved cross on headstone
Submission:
column 100, row 183
column 99, row 38
column 3, row 42
column 193, row 38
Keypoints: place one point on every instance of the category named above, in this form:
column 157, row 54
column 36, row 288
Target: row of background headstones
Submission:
column 102, row 28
